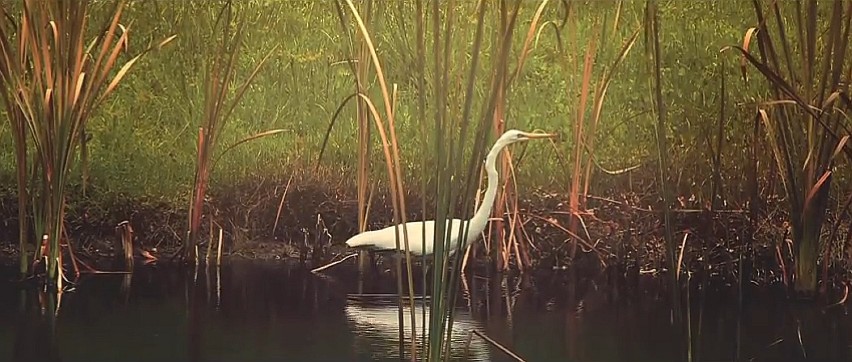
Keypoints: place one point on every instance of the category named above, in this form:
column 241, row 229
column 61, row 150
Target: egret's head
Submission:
column 513, row 136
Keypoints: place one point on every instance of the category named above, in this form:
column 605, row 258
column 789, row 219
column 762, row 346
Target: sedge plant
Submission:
column 802, row 54
column 360, row 66
column 445, row 138
column 455, row 181
column 53, row 81
column 653, row 54
column 220, row 101
column 593, row 86
column 385, row 125
column 452, row 136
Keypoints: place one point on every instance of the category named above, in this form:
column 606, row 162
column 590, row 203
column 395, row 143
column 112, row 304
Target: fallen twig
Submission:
column 680, row 258
column 281, row 204
column 219, row 249
column 383, row 296
column 581, row 240
column 842, row 300
column 329, row 265
column 498, row 345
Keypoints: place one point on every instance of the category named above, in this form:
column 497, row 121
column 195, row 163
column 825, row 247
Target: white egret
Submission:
column 385, row 239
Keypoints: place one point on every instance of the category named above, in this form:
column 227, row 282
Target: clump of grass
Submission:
column 448, row 158
column 593, row 86
column 53, row 80
column 219, row 104
column 653, row 53
column 501, row 85
column 804, row 63
column 450, row 132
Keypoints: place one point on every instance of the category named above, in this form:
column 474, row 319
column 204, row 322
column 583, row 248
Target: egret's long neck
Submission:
column 484, row 211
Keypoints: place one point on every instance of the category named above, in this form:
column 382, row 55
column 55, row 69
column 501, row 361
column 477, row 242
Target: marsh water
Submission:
column 272, row 311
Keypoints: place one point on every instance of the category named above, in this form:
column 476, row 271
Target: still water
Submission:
column 264, row 311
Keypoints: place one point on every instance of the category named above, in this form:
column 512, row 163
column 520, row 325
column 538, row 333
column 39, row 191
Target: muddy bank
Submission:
column 315, row 217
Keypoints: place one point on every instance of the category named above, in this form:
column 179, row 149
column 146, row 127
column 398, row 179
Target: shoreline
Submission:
column 316, row 221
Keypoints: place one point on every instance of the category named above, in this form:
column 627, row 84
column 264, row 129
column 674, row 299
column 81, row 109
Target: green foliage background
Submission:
column 143, row 141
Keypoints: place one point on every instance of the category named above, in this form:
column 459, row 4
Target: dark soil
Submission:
column 622, row 229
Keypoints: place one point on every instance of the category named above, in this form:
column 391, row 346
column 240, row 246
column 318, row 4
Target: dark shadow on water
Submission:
column 34, row 338
column 264, row 311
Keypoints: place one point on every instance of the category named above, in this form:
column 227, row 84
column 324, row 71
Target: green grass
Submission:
column 143, row 140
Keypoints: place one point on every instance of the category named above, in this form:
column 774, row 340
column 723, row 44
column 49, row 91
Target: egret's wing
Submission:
column 420, row 231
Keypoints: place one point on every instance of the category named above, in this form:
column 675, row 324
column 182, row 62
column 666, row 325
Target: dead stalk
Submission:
column 281, row 204
column 680, row 257
column 329, row 265
column 125, row 235
column 221, row 97
column 219, row 249
column 498, row 346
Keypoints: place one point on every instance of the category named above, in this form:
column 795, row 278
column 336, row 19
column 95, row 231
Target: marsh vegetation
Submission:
column 703, row 145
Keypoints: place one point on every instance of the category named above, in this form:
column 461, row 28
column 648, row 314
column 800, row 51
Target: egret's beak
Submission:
column 533, row 136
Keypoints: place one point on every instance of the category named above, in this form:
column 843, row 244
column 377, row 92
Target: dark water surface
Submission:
column 262, row 311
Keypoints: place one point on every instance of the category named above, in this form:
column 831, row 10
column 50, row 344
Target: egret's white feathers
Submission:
column 385, row 239
column 417, row 231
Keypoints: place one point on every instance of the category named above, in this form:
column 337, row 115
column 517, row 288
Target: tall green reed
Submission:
column 53, row 81
column 420, row 61
column 390, row 147
column 653, row 53
column 362, row 72
column 447, row 153
column 18, row 125
column 803, row 58
column 361, row 64
column 450, row 176
column 503, row 43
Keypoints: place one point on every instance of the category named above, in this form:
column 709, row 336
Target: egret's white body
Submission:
column 385, row 239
